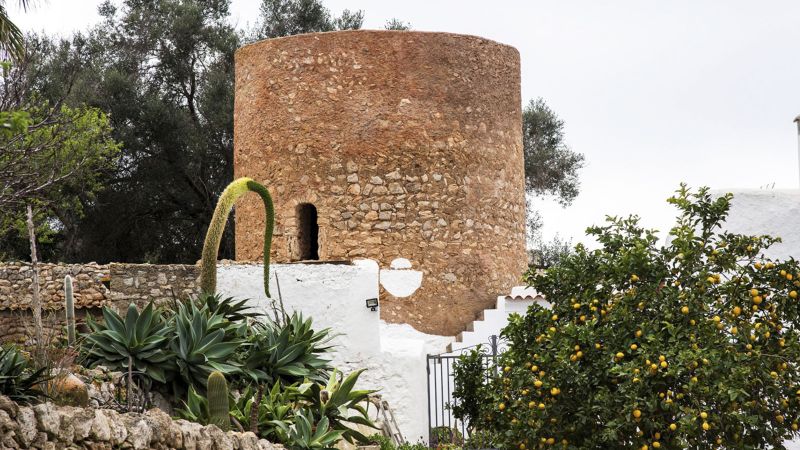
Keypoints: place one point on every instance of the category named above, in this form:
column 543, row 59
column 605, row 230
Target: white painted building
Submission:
column 395, row 355
column 772, row 212
column 334, row 296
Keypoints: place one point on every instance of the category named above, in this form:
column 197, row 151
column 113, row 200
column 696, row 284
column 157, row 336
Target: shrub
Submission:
column 19, row 381
column 693, row 344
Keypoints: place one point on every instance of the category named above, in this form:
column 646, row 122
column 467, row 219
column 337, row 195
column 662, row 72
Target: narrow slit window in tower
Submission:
column 307, row 231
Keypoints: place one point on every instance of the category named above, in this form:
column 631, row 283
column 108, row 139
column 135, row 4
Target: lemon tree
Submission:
column 693, row 344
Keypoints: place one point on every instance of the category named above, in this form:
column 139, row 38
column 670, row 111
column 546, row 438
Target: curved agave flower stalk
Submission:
column 237, row 188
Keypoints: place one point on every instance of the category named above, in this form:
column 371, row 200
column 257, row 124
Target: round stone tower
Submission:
column 388, row 144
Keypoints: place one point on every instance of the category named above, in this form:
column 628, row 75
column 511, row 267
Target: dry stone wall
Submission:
column 50, row 426
column 95, row 286
column 408, row 144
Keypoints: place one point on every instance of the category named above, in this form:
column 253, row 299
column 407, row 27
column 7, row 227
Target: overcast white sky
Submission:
column 652, row 92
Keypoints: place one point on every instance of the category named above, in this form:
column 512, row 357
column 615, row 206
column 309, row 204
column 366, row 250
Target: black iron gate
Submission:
column 442, row 425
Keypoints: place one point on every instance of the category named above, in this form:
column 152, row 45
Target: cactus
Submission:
column 218, row 408
column 69, row 307
column 208, row 264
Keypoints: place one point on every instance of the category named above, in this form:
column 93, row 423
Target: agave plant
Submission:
column 306, row 434
column 18, row 380
column 195, row 408
column 138, row 342
column 234, row 310
column 275, row 407
column 202, row 344
column 288, row 353
column 341, row 404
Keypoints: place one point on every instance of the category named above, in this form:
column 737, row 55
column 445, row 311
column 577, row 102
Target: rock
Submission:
column 7, row 405
column 26, row 421
column 161, row 403
column 6, row 423
column 48, row 418
column 101, row 428
column 380, row 190
column 70, row 390
column 165, row 430
column 118, row 431
column 139, row 433
column 82, row 424
column 50, row 426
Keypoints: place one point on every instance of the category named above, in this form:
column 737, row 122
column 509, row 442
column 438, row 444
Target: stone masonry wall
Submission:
column 408, row 144
column 137, row 283
column 50, row 426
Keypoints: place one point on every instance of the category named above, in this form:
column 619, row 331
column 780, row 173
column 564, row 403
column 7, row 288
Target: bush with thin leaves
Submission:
column 19, row 381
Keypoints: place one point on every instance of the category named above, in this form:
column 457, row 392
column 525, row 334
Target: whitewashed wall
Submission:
column 334, row 296
column 772, row 212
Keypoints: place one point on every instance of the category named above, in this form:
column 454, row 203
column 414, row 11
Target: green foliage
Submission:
column 397, row 25
column 470, row 372
column 69, row 308
column 386, row 443
column 237, row 188
column 340, row 403
column 139, row 339
column 202, row 344
column 551, row 167
column 19, row 381
column 174, row 119
column 218, row 401
column 195, row 408
column 548, row 253
column 305, row 433
column 692, row 344
column 229, row 308
column 51, row 160
column 12, row 42
column 276, row 407
column 337, row 401
column 288, row 353
column 289, row 17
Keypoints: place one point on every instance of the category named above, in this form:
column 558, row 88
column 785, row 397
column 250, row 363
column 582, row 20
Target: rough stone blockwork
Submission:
column 47, row 426
column 408, row 144
column 127, row 283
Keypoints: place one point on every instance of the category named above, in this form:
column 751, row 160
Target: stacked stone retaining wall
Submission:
column 95, row 285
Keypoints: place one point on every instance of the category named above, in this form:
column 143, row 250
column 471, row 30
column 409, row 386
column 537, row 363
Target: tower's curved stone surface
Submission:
column 407, row 144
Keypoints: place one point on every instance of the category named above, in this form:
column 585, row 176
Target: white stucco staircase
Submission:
column 491, row 321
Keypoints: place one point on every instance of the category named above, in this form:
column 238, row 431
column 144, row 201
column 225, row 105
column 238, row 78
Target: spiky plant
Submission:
column 237, row 188
column 69, row 308
column 218, row 406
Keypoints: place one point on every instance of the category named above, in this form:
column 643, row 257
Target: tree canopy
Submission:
column 692, row 344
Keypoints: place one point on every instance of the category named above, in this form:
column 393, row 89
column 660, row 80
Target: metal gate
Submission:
column 441, row 383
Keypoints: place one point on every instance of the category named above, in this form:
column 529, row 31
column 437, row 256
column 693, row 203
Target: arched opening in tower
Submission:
column 307, row 232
